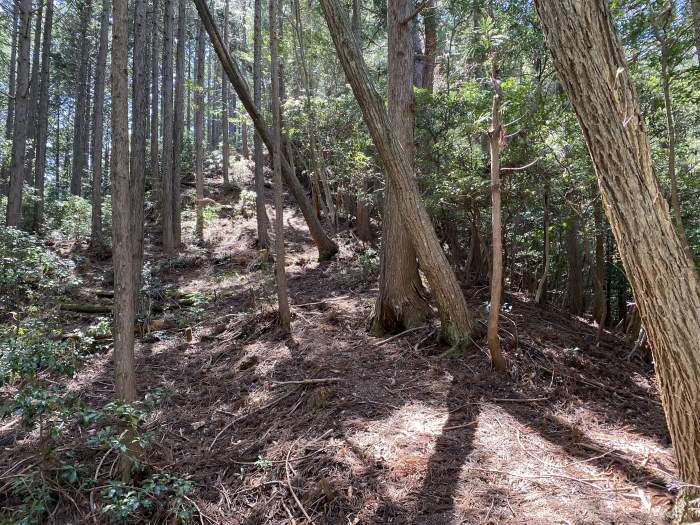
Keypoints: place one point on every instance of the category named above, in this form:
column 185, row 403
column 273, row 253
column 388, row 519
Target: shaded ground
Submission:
column 399, row 433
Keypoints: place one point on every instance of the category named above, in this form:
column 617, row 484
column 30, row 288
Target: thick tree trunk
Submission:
column 574, row 294
column 496, row 136
column 179, row 124
column 98, row 128
column 284, row 315
column 260, row 211
column 168, row 235
column 326, row 247
column 199, row 132
column 591, row 64
column 43, row 121
column 19, row 137
column 224, row 104
column 401, row 300
column 123, row 326
column 456, row 321
column 80, row 130
column 138, row 139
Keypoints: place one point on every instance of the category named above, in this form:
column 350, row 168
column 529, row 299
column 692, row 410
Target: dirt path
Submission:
column 396, row 434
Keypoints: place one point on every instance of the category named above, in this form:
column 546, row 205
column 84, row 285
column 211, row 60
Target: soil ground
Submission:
column 401, row 431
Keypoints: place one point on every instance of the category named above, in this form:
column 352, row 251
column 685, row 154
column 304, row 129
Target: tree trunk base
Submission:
column 392, row 315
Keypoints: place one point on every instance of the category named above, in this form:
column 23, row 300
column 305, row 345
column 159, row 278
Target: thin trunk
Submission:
column 11, row 86
column 34, row 95
column 138, row 139
column 168, row 235
column 43, row 121
column 326, row 247
column 155, row 103
column 199, row 132
column 457, row 325
column 401, row 302
column 430, row 24
column 574, row 294
column 284, row 316
column 19, row 137
column 599, row 301
column 98, row 129
column 224, row 103
column 80, row 129
column 496, row 137
column 541, row 295
column 695, row 12
column 179, row 124
column 123, row 326
column 591, row 64
column 261, row 213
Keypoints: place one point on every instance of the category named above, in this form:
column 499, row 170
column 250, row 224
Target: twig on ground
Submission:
column 308, row 381
column 330, row 299
column 586, row 482
column 519, row 400
column 393, row 337
column 289, row 484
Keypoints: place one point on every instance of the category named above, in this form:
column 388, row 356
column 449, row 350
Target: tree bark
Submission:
column 599, row 301
column 326, row 247
column 80, row 129
column 179, row 124
column 591, row 64
column 155, row 102
column 19, row 138
column 401, row 302
column 496, row 137
column 123, row 327
column 260, row 211
column 430, row 24
column 224, row 104
column 199, row 132
column 541, row 295
column 168, row 235
column 574, row 297
column 34, row 95
column 456, row 321
column 284, row 316
column 11, row 88
column 43, row 121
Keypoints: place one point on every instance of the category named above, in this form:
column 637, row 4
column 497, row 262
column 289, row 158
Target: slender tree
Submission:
column 224, row 104
column 80, row 127
column 179, row 123
column 10, row 116
column 168, row 235
column 155, row 92
column 199, row 131
column 98, row 128
column 261, row 213
column 581, row 37
column 19, row 137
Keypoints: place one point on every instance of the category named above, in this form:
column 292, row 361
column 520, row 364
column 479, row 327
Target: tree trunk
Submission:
column 155, row 103
column 260, row 211
column 138, row 139
column 541, row 295
column 179, row 124
column 574, row 297
column 168, row 235
column 695, row 11
column 591, row 64
column 326, row 247
column 401, row 300
column 123, row 327
column 11, row 87
column 224, row 104
column 430, row 23
column 19, row 138
column 496, row 137
column 599, row 302
column 43, row 121
column 199, row 132
column 284, row 316
column 98, row 129
column 34, row 95
column 456, row 321
column 80, row 129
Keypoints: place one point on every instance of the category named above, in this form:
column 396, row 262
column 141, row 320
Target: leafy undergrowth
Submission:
column 331, row 426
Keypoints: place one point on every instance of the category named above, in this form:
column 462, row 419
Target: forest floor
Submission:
column 401, row 431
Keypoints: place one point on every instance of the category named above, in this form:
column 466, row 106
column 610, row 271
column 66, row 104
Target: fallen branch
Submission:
column 308, row 381
column 393, row 337
column 289, row 484
column 86, row 308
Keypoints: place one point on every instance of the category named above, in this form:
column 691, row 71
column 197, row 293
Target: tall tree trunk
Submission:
column 457, row 325
column 591, row 64
column 34, row 96
column 599, row 301
column 168, row 235
column 284, row 316
column 496, row 137
column 695, row 12
column 137, row 162
column 224, row 103
column 430, row 24
column 199, row 132
column 155, row 102
column 541, row 295
column 401, row 300
column 11, row 87
column 123, row 326
column 19, row 137
column 261, row 213
column 326, row 247
column 179, row 124
column 98, row 128
column 43, row 120
column 574, row 297
column 80, row 129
